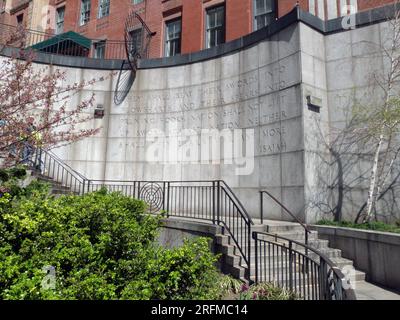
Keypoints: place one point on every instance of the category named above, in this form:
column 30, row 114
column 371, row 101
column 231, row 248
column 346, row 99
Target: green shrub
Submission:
column 265, row 291
column 87, row 239
column 102, row 246
column 187, row 272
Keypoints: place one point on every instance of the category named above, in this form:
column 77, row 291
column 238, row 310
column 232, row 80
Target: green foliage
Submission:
column 102, row 246
column 373, row 225
column 90, row 240
column 266, row 291
column 13, row 173
column 187, row 272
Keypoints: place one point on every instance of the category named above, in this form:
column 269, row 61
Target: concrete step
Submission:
column 313, row 243
column 271, row 275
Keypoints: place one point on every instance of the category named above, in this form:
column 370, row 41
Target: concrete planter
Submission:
column 376, row 253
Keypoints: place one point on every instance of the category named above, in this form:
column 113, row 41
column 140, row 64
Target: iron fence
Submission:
column 66, row 45
column 311, row 276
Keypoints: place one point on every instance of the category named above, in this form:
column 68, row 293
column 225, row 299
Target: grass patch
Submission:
column 375, row 226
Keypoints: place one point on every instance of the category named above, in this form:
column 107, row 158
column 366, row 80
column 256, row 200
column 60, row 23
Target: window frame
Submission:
column 82, row 20
column 97, row 45
column 266, row 13
column 104, row 8
column 223, row 27
column 22, row 19
column 172, row 40
column 137, row 30
column 58, row 22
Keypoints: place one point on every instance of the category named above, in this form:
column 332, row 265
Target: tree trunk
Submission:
column 372, row 184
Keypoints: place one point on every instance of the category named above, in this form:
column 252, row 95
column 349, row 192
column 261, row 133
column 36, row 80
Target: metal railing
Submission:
column 111, row 49
column 262, row 193
column 203, row 200
column 285, row 263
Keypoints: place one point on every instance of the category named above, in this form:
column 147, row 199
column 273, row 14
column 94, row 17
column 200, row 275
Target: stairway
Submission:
column 236, row 266
column 56, row 188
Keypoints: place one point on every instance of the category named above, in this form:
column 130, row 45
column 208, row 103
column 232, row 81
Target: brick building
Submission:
column 181, row 26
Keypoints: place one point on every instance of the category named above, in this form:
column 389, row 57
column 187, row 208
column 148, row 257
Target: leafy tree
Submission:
column 35, row 105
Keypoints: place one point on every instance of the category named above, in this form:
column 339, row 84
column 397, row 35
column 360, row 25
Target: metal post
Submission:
column 290, row 267
column 218, row 201
column 168, row 195
column 262, row 207
column 256, row 254
column 213, row 202
column 306, row 241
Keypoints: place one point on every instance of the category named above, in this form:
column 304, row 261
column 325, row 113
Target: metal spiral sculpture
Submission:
column 153, row 195
column 137, row 42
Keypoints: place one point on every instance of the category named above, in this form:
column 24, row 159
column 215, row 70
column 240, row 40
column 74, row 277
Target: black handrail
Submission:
column 315, row 278
column 306, row 229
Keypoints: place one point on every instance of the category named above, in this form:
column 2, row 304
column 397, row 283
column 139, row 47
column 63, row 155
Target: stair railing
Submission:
column 262, row 193
column 50, row 166
column 200, row 200
column 203, row 200
column 310, row 276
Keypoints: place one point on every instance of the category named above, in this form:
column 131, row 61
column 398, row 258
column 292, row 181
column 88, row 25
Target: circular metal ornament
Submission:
column 153, row 195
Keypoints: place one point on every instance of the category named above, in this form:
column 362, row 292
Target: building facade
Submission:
column 180, row 26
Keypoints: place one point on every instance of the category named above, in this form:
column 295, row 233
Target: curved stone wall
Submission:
column 254, row 90
column 259, row 91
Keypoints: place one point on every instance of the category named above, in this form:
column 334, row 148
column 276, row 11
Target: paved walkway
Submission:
column 368, row 291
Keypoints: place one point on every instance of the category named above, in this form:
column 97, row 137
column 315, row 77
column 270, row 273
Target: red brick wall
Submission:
column 239, row 18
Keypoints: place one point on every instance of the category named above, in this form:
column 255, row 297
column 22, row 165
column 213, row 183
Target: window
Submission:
column 137, row 1
column 173, row 38
column 85, row 11
column 100, row 50
column 60, row 20
column 136, row 41
column 215, row 26
column 2, row 6
column 20, row 18
column 104, row 8
column 264, row 13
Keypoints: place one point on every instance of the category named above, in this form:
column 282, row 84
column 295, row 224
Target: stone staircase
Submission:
column 56, row 188
column 235, row 265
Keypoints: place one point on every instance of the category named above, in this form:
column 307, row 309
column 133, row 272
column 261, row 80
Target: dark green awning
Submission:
column 63, row 40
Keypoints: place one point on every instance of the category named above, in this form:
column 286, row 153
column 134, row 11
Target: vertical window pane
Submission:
column 173, row 38
column 215, row 28
column 136, row 41
column 100, row 50
column 264, row 13
column 85, row 11
column 60, row 20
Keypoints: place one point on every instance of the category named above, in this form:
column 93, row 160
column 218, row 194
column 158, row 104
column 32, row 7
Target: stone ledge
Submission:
column 369, row 235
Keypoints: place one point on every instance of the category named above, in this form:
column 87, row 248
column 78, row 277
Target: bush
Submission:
column 265, row 291
column 102, row 246
column 187, row 272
